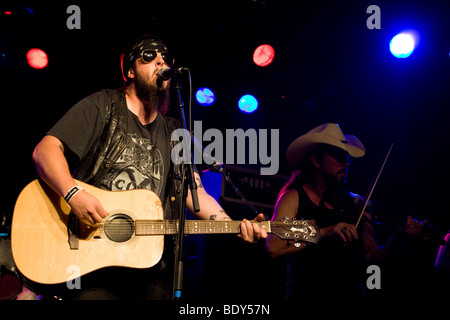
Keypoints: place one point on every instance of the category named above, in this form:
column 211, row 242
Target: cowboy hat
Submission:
column 330, row 134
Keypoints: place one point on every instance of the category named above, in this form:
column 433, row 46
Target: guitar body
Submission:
column 51, row 245
column 40, row 234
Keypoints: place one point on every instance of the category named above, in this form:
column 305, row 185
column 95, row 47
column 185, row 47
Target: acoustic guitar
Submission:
column 51, row 245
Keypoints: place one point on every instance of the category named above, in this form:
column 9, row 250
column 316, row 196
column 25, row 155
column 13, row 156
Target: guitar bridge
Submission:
column 72, row 231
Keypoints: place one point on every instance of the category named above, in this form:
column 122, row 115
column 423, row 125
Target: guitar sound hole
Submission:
column 119, row 227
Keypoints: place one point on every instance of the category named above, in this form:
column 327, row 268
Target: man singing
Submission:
column 121, row 141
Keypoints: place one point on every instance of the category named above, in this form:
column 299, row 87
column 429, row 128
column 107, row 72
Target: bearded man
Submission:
column 332, row 270
column 121, row 141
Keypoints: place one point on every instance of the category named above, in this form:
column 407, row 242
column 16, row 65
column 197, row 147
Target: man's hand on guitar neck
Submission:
column 210, row 209
column 252, row 232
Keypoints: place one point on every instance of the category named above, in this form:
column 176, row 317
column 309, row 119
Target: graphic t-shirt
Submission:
column 145, row 161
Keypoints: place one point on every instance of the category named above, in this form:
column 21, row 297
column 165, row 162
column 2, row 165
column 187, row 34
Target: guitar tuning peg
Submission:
column 297, row 244
column 287, row 243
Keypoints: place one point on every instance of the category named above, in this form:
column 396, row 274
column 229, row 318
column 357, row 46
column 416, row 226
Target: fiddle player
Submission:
column 317, row 190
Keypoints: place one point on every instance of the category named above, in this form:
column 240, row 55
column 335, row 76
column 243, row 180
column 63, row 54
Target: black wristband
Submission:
column 73, row 191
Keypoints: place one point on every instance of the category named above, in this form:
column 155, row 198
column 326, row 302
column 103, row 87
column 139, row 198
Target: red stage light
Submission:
column 263, row 55
column 37, row 58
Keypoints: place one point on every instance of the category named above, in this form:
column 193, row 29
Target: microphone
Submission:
column 214, row 165
column 165, row 73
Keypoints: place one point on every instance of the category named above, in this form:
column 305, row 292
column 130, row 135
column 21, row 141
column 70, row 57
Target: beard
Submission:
column 341, row 176
column 337, row 192
column 155, row 96
column 336, row 180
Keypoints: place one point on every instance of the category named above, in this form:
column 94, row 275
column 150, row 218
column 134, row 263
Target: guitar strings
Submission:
column 172, row 224
column 165, row 227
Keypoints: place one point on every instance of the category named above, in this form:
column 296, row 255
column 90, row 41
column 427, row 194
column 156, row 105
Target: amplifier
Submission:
column 260, row 190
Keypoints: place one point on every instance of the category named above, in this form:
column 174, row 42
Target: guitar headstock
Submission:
column 298, row 230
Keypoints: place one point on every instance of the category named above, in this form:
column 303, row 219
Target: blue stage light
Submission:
column 248, row 103
column 205, row 97
column 402, row 45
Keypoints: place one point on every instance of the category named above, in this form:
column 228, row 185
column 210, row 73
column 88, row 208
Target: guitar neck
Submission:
column 161, row 227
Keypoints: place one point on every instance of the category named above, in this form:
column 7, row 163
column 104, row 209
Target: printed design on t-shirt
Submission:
column 140, row 166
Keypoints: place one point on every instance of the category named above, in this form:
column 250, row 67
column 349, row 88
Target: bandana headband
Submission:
column 132, row 55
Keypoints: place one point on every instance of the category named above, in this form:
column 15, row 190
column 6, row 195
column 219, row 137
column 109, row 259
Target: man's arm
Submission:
column 287, row 206
column 52, row 167
column 211, row 210
column 51, row 164
column 379, row 254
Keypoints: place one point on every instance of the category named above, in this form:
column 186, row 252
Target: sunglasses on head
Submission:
column 150, row 55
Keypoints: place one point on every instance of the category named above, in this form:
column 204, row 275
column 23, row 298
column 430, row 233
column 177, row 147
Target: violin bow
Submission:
column 366, row 201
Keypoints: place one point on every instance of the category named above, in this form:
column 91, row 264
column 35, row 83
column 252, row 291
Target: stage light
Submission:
column 402, row 45
column 263, row 55
column 248, row 103
column 205, row 97
column 29, row 10
column 37, row 58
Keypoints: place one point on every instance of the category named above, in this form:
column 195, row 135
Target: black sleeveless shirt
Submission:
column 330, row 269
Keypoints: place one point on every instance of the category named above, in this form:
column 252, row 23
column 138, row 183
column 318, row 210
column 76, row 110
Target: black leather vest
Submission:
column 110, row 145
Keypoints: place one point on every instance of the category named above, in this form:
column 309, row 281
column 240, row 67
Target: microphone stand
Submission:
column 216, row 167
column 187, row 181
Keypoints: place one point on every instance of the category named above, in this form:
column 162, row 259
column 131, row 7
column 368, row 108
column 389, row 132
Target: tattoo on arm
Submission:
column 226, row 217
column 61, row 148
column 199, row 182
column 214, row 216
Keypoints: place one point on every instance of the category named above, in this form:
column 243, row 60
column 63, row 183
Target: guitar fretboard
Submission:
column 161, row 227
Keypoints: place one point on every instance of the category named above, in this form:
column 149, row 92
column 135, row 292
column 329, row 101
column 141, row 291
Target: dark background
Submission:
column 328, row 67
